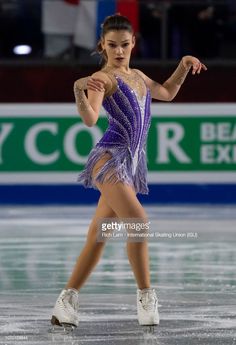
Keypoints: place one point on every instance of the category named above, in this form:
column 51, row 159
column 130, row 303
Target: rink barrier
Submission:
column 191, row 153
column 77, row 195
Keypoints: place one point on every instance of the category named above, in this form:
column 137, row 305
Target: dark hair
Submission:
column 115, row 22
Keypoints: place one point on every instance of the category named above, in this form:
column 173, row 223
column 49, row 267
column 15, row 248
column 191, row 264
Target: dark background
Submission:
column 168, row 30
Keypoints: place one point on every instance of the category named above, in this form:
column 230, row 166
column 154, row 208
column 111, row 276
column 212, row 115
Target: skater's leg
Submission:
column 139, row 260
column 92, row 249
column 66, row 308
column 123, row 201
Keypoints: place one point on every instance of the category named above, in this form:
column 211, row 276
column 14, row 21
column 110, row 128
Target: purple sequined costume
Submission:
column 125, row 139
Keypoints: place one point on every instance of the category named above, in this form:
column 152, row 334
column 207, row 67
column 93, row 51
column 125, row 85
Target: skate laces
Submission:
column 148, row 298
column 70, row 297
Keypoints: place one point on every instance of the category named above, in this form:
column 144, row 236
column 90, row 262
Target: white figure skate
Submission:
column 65, row 312
column 147, row 307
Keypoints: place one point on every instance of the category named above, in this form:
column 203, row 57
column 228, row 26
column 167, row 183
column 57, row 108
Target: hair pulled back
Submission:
column 115, row 22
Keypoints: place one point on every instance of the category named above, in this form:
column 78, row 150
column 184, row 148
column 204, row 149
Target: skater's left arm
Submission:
column 169, row 89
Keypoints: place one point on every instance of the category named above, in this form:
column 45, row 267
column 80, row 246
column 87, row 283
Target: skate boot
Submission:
column 65, row 312
column 147, row 307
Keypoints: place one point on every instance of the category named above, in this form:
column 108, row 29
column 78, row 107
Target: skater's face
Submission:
column 118, row 46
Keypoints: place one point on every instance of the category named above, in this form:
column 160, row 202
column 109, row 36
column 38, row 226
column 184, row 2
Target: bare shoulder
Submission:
column 100, row 75
column 149, row 81
column 140, row 73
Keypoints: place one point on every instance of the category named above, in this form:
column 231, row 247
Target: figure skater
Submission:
column 117, row 165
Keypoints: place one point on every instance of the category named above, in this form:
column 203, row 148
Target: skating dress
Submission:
column 129, row 119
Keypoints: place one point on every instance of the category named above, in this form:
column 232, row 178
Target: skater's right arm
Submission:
column 89, row 106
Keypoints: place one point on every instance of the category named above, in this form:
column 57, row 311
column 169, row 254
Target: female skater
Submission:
column 117, row 165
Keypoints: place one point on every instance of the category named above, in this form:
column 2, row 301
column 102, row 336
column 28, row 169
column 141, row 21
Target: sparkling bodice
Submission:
column 128, row 111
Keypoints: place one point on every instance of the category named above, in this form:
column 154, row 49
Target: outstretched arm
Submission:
column 89, row 107
column 169, row 89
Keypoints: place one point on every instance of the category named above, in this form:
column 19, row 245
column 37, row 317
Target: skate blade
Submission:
column 148, row 329
column 61, row 328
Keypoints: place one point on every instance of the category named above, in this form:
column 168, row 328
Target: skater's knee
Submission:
column 121, row 198
column 93, row 238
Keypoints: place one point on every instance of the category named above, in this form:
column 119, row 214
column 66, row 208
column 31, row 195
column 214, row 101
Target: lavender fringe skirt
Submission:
column 118, row 168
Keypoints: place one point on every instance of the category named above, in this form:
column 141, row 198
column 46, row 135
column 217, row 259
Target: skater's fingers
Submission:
column 196, row 67
column 97, row 83
column 201, row 67
column 95, row 86
column 103, row 82
column 100, row 83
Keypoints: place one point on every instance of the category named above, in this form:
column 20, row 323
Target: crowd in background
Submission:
column 207, row 30
column 199, row 29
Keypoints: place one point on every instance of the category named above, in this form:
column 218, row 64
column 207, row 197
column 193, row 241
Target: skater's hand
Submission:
column 96, row 84
column 192, row 62
column 90, row 83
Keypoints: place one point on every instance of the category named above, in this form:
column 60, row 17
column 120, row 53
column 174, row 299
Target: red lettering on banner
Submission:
column 72, row 2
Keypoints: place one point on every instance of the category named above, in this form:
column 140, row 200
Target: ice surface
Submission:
column 195, row 278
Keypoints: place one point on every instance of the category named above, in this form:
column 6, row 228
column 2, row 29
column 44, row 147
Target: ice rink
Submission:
column 192, row 262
